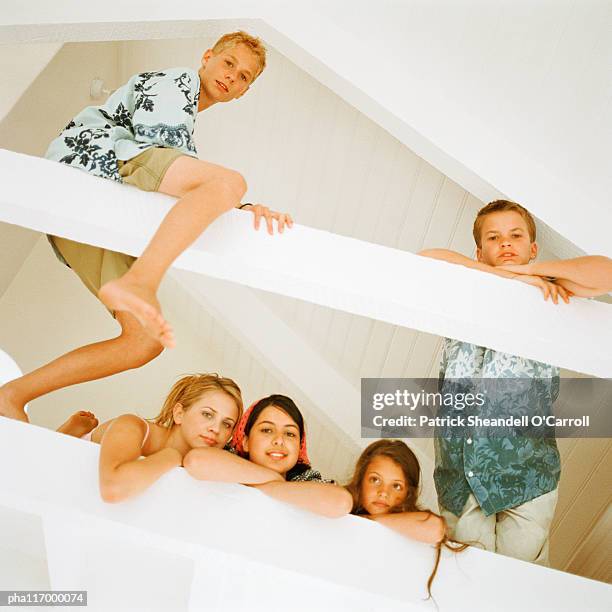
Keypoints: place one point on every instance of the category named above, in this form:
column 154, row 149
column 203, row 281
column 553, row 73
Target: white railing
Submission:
column 189, row 545
column 324, row 268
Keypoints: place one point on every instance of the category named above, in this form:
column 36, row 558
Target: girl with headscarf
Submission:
column 269, row 453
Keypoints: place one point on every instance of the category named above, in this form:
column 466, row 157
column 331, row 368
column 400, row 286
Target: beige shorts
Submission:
column 94, row 265
column 521, row 532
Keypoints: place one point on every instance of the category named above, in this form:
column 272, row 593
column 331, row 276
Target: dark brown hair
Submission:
column 501, row 206
column 289, row 407
column 400, row 454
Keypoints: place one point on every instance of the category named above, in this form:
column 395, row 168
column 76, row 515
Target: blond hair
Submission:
column 243, row 38
column 501, row 206
column 190, row 388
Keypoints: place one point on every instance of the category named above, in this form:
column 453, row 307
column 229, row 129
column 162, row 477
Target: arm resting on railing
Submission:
column 123, row 473
column 422, row 526
column 546, row 286
column 326, row 499
column 587, row 276
column 223, row 466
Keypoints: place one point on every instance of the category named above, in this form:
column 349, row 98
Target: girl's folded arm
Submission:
column 122, row 473
column 321, row 498
column 223, row 466
column 422, row 526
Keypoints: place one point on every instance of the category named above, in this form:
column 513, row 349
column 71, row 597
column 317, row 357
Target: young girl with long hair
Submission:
column 269, row 453
column 385, row 489
column 201, row 411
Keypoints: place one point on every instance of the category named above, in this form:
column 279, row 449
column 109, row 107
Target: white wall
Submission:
column 20, row 65
column 59, row 92
column 517, row 93
column 449, row 79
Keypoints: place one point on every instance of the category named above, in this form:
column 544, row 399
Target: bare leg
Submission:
column 79, row 424
column 205, row 191
column 131, row 349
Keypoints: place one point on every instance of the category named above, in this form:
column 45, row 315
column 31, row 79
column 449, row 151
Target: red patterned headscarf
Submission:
column 238, row 436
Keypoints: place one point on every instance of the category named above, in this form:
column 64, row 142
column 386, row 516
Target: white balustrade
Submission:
column 324, row 268
column 190, row 545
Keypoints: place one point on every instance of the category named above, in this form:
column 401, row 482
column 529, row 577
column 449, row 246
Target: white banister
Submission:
column 324, row 268
column 189, row 545
column 9, row 370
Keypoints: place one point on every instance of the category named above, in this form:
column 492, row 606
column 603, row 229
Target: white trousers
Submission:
column 521, row 532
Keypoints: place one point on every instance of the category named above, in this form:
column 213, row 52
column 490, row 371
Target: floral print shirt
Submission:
column 152, row 109
column 311, row 475
column 501, row 472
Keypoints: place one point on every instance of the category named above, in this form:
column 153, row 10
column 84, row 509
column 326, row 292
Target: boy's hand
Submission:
column 548, row 288
column 259, row 210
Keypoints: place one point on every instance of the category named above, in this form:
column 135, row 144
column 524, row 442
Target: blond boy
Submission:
column 143, row 135
column 502, row 492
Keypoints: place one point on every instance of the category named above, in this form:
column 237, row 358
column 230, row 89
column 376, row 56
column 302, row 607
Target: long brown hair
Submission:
column 190, row 388
column 400, row 454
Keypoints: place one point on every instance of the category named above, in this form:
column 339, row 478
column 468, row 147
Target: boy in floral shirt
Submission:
column 143, row 135
column 501, row 492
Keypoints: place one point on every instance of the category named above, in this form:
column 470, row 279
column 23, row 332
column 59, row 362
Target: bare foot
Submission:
column 79, row 424
column 10, row 408
column 138, row 300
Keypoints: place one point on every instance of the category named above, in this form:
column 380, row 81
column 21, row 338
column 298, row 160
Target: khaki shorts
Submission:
column 521, row 532
column 96, row 266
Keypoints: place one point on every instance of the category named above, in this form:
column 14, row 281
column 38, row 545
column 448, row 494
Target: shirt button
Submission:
column 469, row 440
column 470, row 474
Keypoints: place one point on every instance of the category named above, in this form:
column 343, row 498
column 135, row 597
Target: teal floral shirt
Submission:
column 152, row 109
column 501, row 472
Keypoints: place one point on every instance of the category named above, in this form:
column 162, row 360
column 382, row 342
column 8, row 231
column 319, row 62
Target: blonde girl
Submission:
column 200, row 411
